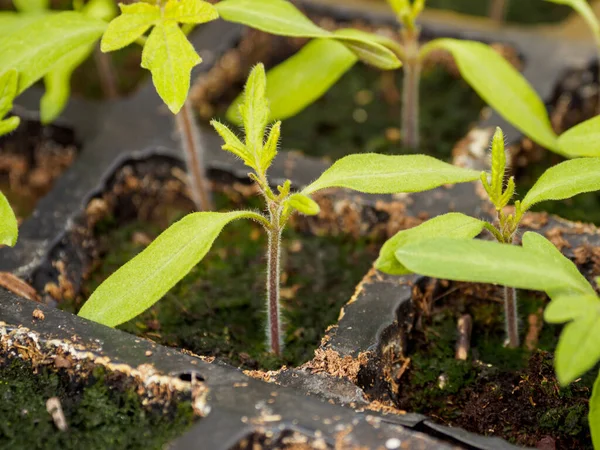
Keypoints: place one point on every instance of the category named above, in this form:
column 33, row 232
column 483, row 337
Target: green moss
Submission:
column 219, row 307
column 519, row 11
column 98, row 416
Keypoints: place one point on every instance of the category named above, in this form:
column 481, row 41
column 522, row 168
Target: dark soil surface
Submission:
column 497, row 391
column 519, row 11
column 31, row 159
column 98, row 415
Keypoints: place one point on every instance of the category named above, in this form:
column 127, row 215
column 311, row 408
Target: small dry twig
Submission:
column 54, row 408
column 463, row 343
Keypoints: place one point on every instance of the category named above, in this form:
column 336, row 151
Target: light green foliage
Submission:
column 452, row 225
column 495, row 188
column 581, row 140
column 565, row 180
column 584, row 10
column 282, row 18
column 302, row 78
column 501, row 86
column 146, row 278
column 9, row 230
column 8, row 91
column 38, row 47
column 383, row 174
column 304, row 204
column 567, row 307
column 407, row 11
column 594, row 415
column 485, row 262
column 31, row 6
column 167, row 52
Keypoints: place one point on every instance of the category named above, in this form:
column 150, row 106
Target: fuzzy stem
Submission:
column 106, row 73
column 410, row 90
column 273, row 277
column 510, row 311
column 193, row 150
column 498, row 10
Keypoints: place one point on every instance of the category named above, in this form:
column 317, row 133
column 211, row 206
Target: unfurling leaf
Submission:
column 373, row 173
column 9, row 229
column 486, row 262
column 498, row 166
column 565, row 180
column 254, row 110
column 581, row 140
column 594, row 415
column 304, row 204
column 8, row 91
column 146, row 278
column 578, row 348
column 37, row 47
column 270, row 148
column 170, row 57
column 368, row 48
column 501, row 86
column 233, row 143
column 453, row 225
column 301, row 79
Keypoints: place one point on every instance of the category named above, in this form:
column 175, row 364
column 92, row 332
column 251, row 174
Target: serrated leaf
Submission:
column 384, row 174
column 146, row 278
column 302, row 79
column 454, row 225
column 58, row 83
column 594, row 414
column 134, row 21
column 281, row 17
column 498, row 165
column 9, row 81
column 581, row 140
column 190, row 11
column 8, row 125
column 36, row 48
column 584, row 10
column 502, row 87
column 578, row 348
column 537, row 243
column 270, row 148
column 565, row 180
column 254, row 110
column 564, row 308
column 485, row 262
column 9, row 229
column 31, row 6
column 232, row 143
column 170, row 57
column 304, row 204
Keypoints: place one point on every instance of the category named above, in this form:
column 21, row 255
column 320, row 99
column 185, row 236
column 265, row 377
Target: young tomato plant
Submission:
column 562, row 181
column 170, row 57
column 146, row 278
column 300, row 80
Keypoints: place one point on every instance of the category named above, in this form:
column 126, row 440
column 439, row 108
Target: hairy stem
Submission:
column 410, row 90
column 106, row 73
column 193, row 150
column 498, row 10
column 273, row 277
column 510, row 311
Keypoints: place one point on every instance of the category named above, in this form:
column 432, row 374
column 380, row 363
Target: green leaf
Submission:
column 584, row 10
column 254, row 110
column 303, row 78
column 190, row 11
column 232, row 143
column 594, row 415
column 578, row 348
column 146, row 278
column 170, row 57
column 383, row 174
column 37, row 48
column 31, row 6
column 581, row 140
column 8, row 125
column 11, row 21
column 134, row 21
column 535, row 242
column 9, row 229
column 8, row 90
column 58, row 83
column 567, row 307
column 501, row 86
column 304, row 204
column 100, row 9
column 281, row 18
column 485, row 262
column 454, row 225
column 565, row 180
column 270, row 148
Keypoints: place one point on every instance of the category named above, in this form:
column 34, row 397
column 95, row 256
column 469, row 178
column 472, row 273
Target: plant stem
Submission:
column 498, row 10
column 410, row 89
column 106, row 73
column 194, row 151
column 510, row 311
column 273, row 278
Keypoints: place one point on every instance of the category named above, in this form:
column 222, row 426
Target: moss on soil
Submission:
column 520, row 11
column 511, row 393
column 361, row 113
column 219, row 308
column 98, row 416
